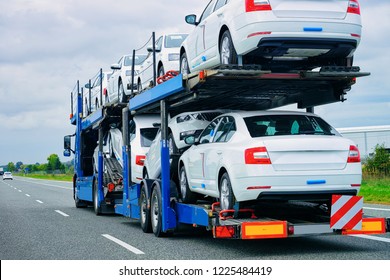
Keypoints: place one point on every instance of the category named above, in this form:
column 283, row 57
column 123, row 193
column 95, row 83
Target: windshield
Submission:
column 139, row 58
column 209, row 116
column 273, row 125
column 174, row 41
column 147, row 136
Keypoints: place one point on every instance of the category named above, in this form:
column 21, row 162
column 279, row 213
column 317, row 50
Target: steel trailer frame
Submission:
column 241, row 88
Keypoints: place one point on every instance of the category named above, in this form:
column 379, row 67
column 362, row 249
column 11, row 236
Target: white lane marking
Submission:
column 123, row 244
column 62, row 213
column 376, row 238
column 28, row 195
column 39, row 183
column 19, row 191
column 39, row 201
column 379, row 209
column 15, row 188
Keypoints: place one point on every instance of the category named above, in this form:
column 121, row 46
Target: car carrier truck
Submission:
column 155, row 203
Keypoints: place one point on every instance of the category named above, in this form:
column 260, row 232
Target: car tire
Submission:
column 144, row 215
column 184, row 67
column 156, row 212
column 97, row 208
column 173, row 150
column 161, row 71
column 227, row 52
column 121, row 93
column 186, row 195
column 226, row 196
column 139, row 86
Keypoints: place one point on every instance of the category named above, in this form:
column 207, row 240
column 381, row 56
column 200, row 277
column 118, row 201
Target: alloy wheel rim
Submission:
column 225, row 51
column 183, row 183
column 225, row 193
column 184, row 66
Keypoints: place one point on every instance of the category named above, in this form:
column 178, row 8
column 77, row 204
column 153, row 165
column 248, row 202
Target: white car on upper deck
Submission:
column 167, row 59
column 279, row 35
column 119, row 85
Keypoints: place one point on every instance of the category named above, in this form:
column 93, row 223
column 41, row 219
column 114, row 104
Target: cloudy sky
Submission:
column 46, row 46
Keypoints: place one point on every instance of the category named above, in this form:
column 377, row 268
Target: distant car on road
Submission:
column 7, row 176
column 277, row 34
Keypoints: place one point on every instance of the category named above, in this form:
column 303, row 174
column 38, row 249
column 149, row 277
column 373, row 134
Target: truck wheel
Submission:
column 227, row 52
column 156, row 212
column 226, row 196
column 96, row 206
column 184, row 67
column 186, row 195
column 144, row 212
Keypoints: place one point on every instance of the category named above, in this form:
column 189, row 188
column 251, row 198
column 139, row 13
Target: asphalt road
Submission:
column 38, row 221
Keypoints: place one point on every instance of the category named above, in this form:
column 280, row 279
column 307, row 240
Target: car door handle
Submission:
column 219, row 152
column 220, row 14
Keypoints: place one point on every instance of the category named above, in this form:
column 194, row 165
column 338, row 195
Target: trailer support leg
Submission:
column 168, row 216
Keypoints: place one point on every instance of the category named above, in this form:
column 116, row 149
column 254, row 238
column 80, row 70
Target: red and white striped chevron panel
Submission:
column 346, row 212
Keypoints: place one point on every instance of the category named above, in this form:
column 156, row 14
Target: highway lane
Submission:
column 38, row 220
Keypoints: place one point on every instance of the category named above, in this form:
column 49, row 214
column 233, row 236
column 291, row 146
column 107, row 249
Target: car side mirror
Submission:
column 88, row 86
column 115, row 66
column 67, row 142
column 150, row 49
column 191, row 19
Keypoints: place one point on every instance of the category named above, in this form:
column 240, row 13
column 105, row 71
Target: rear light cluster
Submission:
column 257, row 5
column 140, row 160
column 353, row 7
column 104, row 91
column 354, row 154
column 257, row 155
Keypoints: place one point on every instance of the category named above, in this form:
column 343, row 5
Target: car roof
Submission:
column 245, row 114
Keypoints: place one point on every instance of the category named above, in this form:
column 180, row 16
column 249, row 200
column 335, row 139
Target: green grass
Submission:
column 57, row 177
column 376, row 190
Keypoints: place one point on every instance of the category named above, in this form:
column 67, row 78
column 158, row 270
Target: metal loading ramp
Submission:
column 241, row 89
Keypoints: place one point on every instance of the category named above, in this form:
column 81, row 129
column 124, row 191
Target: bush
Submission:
column 378, row 164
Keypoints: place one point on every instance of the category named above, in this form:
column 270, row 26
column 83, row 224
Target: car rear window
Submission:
column 274, row 125
column 148, row 135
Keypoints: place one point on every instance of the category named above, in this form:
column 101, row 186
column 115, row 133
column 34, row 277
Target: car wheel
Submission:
column 97, row 208
column 144, row 212
column 121, row 93
column 184, row 67
column 173, row 150
column 145, row 175
column 227, row 52
column 226, row 196
column 139, row 86
column 161, row 71
column 186, row 195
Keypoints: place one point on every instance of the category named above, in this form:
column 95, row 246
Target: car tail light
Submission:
column 354, row 154
column 257, row 5
column 104, row 91
column 140, row 160
column 353, row 7
column 257, row 155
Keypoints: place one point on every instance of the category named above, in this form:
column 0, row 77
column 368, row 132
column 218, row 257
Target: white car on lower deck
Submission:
column 269, row 155
column 277, row 34
column 142, row 132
